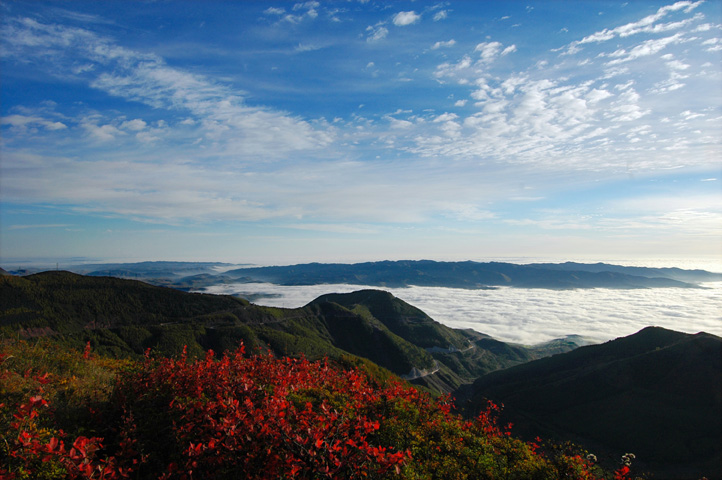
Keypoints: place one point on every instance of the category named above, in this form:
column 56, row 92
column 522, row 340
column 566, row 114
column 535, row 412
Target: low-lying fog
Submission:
column 530, row 316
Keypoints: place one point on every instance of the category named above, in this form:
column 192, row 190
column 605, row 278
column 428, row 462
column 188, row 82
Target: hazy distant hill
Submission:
column 146, row 269
column 693, row 276
column 125, row 317
column 464, row 275
column 657, row 393
column 197, row 275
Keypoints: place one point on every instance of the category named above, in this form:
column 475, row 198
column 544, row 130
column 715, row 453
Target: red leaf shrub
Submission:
column 255, row 417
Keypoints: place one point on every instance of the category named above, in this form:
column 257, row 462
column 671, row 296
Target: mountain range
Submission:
column 475, row 275
column 194, row 276
column 656, row 393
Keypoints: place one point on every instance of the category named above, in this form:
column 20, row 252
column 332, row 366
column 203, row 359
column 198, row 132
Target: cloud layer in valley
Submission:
column 531, row 316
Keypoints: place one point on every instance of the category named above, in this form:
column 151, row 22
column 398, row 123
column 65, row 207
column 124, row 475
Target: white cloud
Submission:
column 440, row 15
column 715, row 44
column 25, row 123
column 448, row 43
column 274, row 11
column 402, row 19
column 645, row 25
column 306, row 5
column 597, row 95
column 134, row 125
column 677, row 65
column 146, row 78
column 564, row 111
column 396, row 123
column 33, row 226
column 488, row 50
column 307, row 47
column 705, row 27
column 146, row 137
column 508, row 50
column 376, row 33
column 310, row 12
column 452, row 70
column 104, row 133
column 445, row 117
column 646, row 48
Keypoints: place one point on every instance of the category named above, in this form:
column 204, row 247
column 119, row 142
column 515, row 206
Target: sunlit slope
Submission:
column 401, row 318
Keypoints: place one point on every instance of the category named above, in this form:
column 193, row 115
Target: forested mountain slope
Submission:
column 126, row 317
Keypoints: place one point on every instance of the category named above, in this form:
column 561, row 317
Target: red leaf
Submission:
column 53, row 444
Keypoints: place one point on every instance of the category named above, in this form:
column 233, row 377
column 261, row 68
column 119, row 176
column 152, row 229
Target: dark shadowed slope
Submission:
column 657, row 393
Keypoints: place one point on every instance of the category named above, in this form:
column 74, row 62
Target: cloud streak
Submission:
column 146, row 78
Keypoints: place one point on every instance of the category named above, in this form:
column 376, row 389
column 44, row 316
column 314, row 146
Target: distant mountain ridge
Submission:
column 682, row 275
column 474, row 275
column 194, row 276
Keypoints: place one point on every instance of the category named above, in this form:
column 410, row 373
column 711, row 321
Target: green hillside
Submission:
column 125, row 317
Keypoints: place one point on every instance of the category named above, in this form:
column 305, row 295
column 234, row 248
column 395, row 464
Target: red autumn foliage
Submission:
column 261, row 417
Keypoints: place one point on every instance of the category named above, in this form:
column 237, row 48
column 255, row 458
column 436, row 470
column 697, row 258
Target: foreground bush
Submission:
column 250, row 417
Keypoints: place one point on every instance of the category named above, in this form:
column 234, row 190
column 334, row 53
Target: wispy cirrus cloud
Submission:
column 440, row 15
column 25, row 123
column 38, row 226
column 648, row 24
column 440, row 44
column 146, row 78
column 376, row 32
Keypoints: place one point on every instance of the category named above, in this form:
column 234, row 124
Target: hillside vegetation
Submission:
column 123, row 318
column 67, row 414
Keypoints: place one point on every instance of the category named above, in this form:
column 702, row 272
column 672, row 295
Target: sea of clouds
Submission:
column 530, row 316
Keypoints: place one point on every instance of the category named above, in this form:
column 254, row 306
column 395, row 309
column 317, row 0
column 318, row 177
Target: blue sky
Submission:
column 281, row 132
